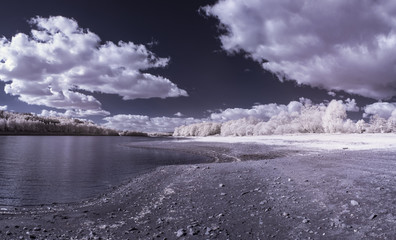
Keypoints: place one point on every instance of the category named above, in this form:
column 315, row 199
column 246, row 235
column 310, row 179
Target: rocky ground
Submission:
column 255, row 192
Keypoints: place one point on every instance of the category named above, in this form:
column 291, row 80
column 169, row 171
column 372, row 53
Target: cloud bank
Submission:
column 140, row 123
column 332, row 44
column 266, row 111
column 382, row 109
column 59, row 64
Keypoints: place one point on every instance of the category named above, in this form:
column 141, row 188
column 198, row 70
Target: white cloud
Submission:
column 332, row 44
column 3, row 107
column 58, row 58
column 331, row 93
column 350, row 105
column 266, row 111
column 382, row 109
column 179, row 114
column 262, row 112
column 141, row 123
column 75, row 113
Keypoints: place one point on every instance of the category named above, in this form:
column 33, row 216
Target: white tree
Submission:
column 334, row 117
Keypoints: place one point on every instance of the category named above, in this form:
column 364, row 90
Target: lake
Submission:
column 37, row 170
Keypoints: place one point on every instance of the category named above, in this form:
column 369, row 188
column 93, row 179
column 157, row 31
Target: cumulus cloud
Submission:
column 350, row 105
column 59, row 64
column 262, row 111
column 265, row 111
column 331, row 93
column 3, row 107
column 383, row 109
column 140, row 123
column 74, row 113
column 332, row 44
column 179, row 114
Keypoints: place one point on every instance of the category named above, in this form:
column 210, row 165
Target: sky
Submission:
column 153, row 65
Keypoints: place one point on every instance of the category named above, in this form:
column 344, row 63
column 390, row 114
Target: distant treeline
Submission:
column 309, row 119
column 28, row 124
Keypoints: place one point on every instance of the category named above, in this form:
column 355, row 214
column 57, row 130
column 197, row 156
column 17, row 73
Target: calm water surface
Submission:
column 38, row 170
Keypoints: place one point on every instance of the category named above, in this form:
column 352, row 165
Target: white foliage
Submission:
column 378, row 125
column 26, row 123
column 240, row 127
column 300, row 117
column 334, row 117
column 198, row 129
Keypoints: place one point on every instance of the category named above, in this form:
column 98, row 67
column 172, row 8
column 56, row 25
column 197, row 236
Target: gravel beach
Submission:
column 250, row 191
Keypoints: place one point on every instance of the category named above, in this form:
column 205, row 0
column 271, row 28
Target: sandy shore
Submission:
column 255, row 192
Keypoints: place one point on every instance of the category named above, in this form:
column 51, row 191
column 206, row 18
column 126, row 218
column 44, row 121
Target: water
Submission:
column 37, row 170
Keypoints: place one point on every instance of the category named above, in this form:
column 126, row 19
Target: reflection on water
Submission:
column 38, row 170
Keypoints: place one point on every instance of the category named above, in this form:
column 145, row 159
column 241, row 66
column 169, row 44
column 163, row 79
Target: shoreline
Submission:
column 294, row 194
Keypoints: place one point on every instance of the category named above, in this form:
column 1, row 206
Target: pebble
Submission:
column 221, row 185
column 32, row 236
column 180, row 233
column 354, row 203
column 372, row 216
column 305, row 220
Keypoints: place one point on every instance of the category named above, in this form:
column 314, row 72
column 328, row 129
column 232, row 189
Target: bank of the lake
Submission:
column 272, row 192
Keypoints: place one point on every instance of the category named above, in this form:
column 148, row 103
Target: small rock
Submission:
column 132, row 229
column 305, row 220
column 285, row 214
column 372, row 216
column 354, row 203
column 180, row 233
column 193, row 231
column 289, row 180
column 223, row 194
column 244, row 193
column 36, row 229
column 221, row 185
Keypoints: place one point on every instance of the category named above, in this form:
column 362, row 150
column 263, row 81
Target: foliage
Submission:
column 26, row 123
column 309, row 119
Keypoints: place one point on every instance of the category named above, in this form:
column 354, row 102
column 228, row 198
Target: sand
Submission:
column 250, row 191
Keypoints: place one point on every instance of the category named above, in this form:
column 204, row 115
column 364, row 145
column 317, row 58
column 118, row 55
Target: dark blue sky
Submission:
column 213, row 78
